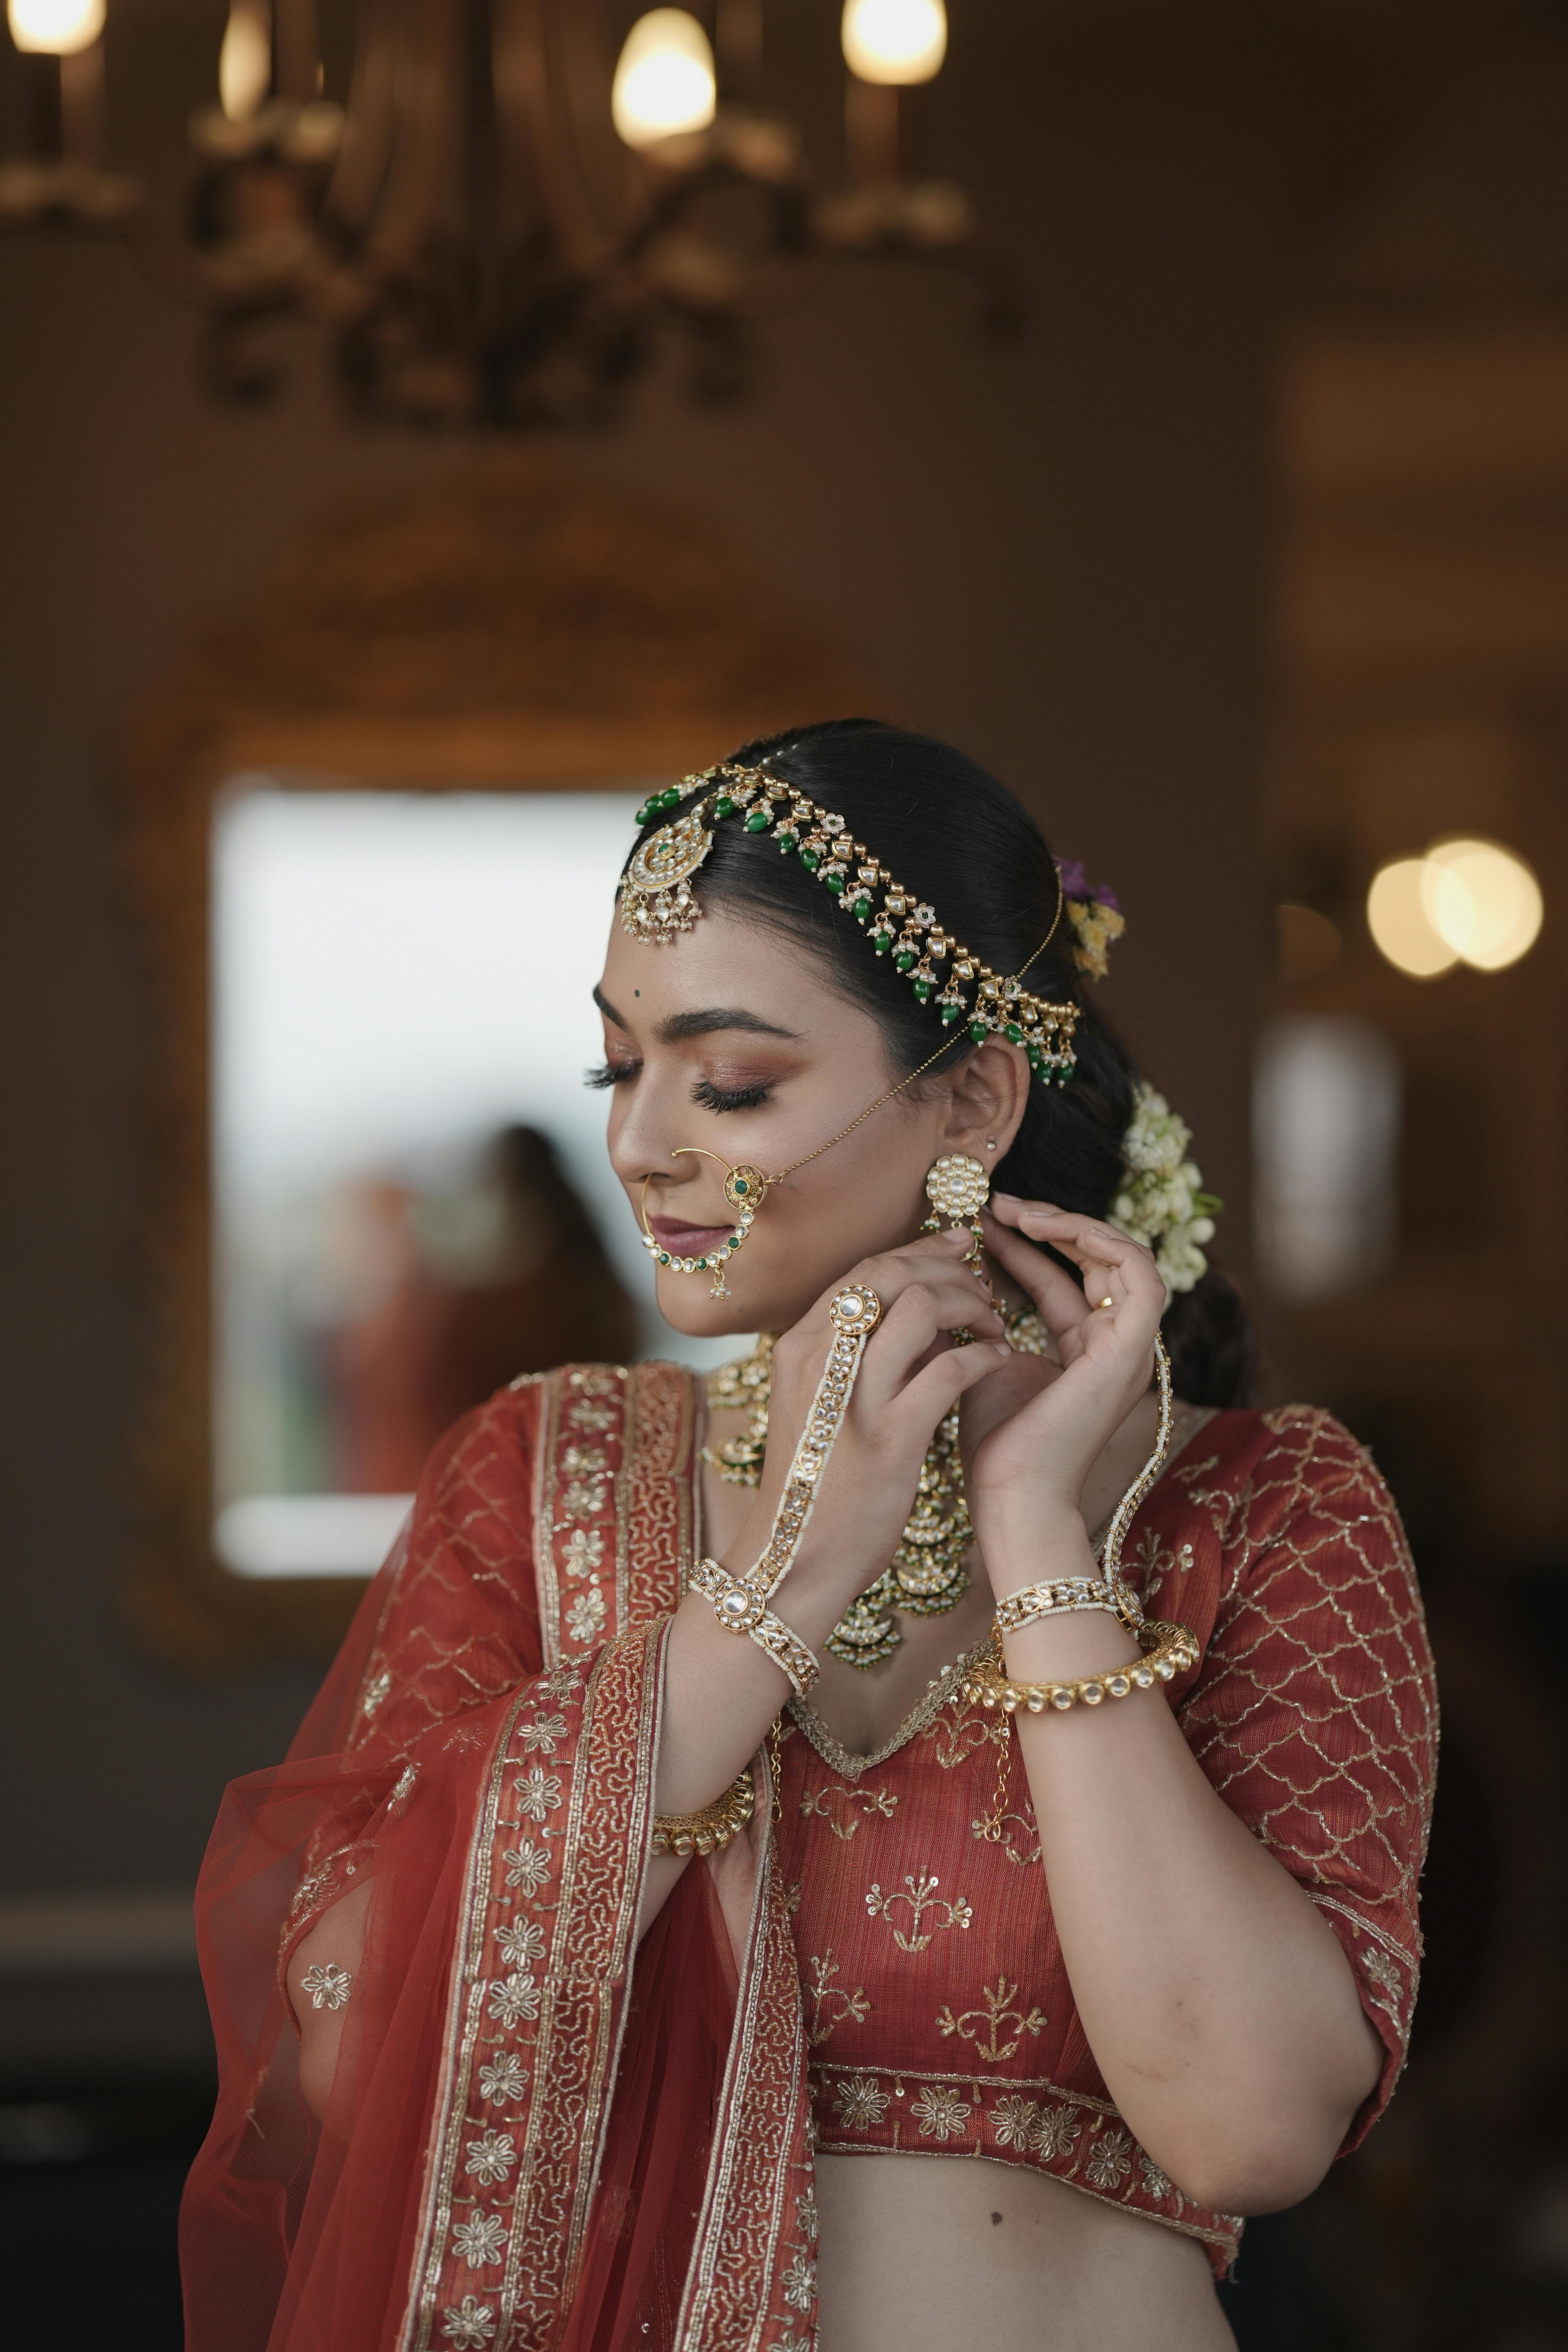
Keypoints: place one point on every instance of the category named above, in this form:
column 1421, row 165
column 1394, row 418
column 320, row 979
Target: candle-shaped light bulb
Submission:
column 664, row 82
column 894, row 40
column 55, row 27
column 244, row 61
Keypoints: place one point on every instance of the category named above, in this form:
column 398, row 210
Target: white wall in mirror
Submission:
column 398, row 980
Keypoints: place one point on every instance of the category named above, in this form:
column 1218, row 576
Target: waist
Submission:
column 945, row 2253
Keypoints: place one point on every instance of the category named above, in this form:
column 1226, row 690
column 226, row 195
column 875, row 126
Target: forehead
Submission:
column 722, row 960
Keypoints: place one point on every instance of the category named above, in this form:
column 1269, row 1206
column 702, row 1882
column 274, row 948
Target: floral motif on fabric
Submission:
column 799, row 2281
column 547, row 1734
column 1110, row 2160
column 512, row 1998
column 468, row 2324
column 327, row 1984
column 527, row 1866
column 503, row 2080
column 985, row 2025
column 491, row 2158
column 844, row 1805
column 860, row 2102
column 537, row 1792
column 940, row 2111
column 480, row 2241
column 919, row 1897
column 831, row 2004
column 522, row 1941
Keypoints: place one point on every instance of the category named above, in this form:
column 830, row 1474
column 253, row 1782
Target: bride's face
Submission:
column 729, row 1037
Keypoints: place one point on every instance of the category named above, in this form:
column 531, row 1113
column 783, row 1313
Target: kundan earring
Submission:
column 958, row 1188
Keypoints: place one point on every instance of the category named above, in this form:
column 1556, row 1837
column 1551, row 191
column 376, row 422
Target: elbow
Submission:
column 1259, row 2171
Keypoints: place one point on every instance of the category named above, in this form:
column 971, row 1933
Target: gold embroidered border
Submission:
column 1221, row 2230
column 656, row 1509
column 742, row 2279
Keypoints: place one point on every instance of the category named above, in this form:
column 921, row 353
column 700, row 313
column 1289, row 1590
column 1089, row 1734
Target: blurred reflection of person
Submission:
column 435, row 1345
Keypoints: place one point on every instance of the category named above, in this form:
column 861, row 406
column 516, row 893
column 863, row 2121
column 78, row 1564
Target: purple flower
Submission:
column 1076, row 884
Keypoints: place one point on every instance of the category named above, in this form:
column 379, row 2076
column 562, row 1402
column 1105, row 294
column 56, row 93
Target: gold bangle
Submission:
column 715, row 1826
column 1168, row 1651
column 1061, row 1597
column 741, row 1608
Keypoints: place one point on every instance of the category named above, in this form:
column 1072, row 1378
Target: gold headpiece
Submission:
column 657, row 903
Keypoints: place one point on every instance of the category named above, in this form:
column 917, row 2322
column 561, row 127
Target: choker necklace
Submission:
column 927, row 1575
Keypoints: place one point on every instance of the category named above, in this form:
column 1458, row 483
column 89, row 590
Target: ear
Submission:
column 990, row 1091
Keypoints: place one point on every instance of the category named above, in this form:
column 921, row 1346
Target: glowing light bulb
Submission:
column 664, row 82
column 55, row 27
column 244, row 61
column 1482, row 901
column 894, row 40
column 1397, row 919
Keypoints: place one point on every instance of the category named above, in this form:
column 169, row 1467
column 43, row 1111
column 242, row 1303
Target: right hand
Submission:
column 910, row 1377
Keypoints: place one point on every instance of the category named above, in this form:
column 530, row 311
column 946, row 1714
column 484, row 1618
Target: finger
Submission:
column 1052, row 1288
column 924, row 1314
column 932, row 1394
column 1093, row 1245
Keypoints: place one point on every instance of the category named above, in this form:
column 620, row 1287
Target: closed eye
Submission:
column 611, row 1074
column 712, row 1097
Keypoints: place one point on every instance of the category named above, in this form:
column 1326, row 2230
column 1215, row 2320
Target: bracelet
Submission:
column 714, row 1827
column 741, row 1608
column 740, row 1603
column 1061, row 1596
column 1168, row 1651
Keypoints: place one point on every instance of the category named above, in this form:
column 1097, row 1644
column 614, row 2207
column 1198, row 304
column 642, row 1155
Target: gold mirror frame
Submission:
column 515, row 626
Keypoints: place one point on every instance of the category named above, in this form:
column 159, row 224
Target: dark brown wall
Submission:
column 1058, row 556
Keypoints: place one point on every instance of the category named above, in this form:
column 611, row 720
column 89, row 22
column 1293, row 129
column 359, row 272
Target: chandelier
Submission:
column 504, row 222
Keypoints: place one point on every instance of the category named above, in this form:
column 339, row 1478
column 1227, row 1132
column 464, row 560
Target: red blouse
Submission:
column 938, row 2011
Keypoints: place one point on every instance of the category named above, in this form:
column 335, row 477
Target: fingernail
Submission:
column 1000, row 1347
column 1013, row 1198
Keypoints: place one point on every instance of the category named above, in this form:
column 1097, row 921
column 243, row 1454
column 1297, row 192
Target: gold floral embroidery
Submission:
column 582, row 1498
column 805, row 2213
column 468, row 2325
column 940, row 2111
column 860, row 2102
column 1054, row 2135
column 799, row 2281
column 513, row 1998
column 920, row 1895
column 527, row 1866
column 954, row 1739
column 995, row 2014
column 503, row 2079
column 854, row 2005
column 491, row 2158
column 327, row 1984
column 596, row 1417
column 522, row 1941
column 1110, row 2161
column 586, row 1618
column 537, row 1792
column 583, row 1551
column 481, row 2241
column 1012, row 2119
column 547, row 1733
column 374, row 1692
column 835, row 1804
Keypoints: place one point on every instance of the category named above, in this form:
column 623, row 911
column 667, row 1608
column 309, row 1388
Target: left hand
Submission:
column 1033, row 1431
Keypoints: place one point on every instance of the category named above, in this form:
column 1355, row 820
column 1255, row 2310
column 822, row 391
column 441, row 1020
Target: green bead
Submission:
column 670, row 798
column 810, row 860
column 723, row 805
column 861, row 909
column 835, row 884
column 922, row 989
column 904, row 959
column 881, row 945
column 641, row 816
column 978, row 1030
column 664, row 1258
column 757, row 820
column 1012, row 1034
column 950, row 1013
column 742, row 1185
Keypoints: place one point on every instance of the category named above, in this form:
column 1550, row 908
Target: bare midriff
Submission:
column 947, row 2254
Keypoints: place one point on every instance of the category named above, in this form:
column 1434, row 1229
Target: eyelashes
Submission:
column 705, row 1093
column 712, row 1097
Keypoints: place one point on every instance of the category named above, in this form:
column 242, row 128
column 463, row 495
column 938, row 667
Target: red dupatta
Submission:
column 530, row 2141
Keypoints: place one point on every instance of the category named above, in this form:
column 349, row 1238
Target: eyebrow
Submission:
column 705, row 1022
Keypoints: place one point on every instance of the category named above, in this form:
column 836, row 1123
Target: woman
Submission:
column 720, row 1826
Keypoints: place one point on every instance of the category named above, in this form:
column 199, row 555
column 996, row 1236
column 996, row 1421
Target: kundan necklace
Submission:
column 928, row 1574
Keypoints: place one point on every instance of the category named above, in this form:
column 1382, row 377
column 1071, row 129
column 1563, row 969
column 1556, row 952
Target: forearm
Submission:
column 1217, row 2002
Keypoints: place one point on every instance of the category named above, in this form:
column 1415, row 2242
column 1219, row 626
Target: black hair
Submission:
column 954, row 834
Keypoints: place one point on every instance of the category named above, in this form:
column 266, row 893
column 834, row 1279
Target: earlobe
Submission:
column 987, row 1102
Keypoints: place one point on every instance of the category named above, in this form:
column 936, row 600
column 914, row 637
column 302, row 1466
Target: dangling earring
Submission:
column 745, row 1188
column 958, row 1188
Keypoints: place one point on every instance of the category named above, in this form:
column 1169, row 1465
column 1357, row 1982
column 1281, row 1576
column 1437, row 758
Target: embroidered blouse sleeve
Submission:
column 1315, row 1713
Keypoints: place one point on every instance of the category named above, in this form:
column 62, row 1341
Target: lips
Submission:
column 687, row 1241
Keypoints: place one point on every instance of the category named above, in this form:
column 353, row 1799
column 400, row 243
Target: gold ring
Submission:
column 1107, row 1300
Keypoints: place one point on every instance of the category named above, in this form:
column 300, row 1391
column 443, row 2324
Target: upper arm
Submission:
column 1315, row 1713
